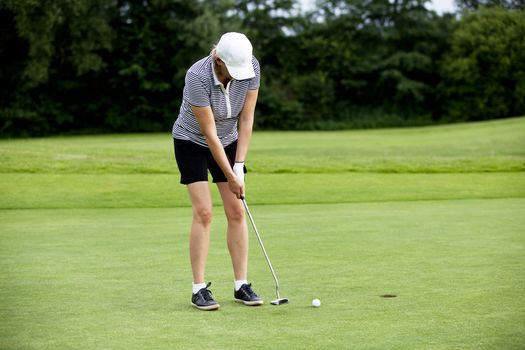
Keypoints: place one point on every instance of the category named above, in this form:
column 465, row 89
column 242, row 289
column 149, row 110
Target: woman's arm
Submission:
column 206, row 121
column 246, row 125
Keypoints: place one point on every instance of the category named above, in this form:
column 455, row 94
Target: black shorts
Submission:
column 194, row 161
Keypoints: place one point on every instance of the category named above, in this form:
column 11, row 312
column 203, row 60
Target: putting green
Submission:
column 119, row 278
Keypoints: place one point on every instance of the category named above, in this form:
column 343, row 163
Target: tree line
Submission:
column 94, row 66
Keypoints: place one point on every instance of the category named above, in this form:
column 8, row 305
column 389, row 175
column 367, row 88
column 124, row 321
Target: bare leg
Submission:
column 237, row 231
column 200, row 228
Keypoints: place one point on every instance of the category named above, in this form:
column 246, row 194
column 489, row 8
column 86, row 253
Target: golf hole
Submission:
column 388, row 296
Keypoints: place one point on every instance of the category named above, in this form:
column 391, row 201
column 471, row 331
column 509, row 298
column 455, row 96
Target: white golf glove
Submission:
column 238, row 169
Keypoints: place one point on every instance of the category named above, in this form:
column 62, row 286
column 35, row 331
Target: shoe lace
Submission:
column 248, row 290
column 206, row 293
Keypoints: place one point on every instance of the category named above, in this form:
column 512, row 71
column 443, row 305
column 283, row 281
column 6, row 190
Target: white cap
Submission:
column 235, row 50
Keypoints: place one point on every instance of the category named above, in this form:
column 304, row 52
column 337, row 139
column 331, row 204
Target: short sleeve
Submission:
column 255, row 81
column 195, row 91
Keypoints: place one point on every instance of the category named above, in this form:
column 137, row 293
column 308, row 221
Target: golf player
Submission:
column 212, row 133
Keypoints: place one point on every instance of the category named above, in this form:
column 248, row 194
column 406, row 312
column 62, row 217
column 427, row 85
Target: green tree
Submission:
column 151, row 43
column 49, row 43
column 484, row 72
column 68, row 31
column 355, row 59
column 98, row 65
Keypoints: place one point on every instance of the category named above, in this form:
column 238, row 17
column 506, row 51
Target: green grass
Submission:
column 93, row 242
column 25, row 191
column 119, row 279
column 496, row 146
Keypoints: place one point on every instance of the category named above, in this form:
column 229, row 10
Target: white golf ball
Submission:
column 316, row 303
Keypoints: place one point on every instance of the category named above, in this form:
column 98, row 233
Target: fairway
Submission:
column 94, row 237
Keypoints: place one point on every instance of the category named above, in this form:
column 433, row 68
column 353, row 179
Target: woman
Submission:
column 213, row 132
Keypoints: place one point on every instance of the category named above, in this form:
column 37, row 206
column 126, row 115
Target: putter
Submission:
column 279, row 300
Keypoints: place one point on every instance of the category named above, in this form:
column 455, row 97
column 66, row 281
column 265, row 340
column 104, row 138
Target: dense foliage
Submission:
column 119, row 66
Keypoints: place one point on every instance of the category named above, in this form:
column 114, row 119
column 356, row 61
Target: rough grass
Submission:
column 160, row 191
column 496, row 146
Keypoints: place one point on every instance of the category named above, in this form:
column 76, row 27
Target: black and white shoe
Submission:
column 203, row 299
column 247, row 296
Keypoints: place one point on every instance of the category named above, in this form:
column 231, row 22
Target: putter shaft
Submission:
column 262, row 247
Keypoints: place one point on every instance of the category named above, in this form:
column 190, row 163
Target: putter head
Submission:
column 279, row 301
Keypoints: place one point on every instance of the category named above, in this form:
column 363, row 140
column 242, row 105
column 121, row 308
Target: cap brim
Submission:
column 241, row 73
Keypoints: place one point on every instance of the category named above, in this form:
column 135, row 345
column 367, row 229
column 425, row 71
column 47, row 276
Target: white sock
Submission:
column 198, row 286
column 239, row 283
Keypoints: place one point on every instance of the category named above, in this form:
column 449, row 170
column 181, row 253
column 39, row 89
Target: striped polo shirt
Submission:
column 201, row 89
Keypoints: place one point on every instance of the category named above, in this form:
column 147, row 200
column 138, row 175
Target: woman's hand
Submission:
column 236, row 185
column 238, row 169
